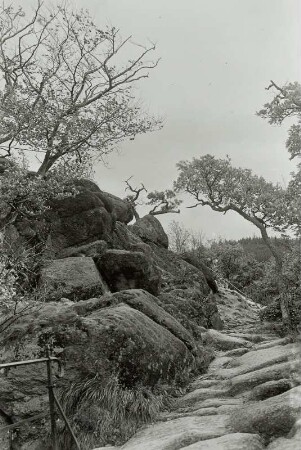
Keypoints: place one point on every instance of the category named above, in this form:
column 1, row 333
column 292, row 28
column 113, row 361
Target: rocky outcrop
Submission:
column 212, row 415
column 89, row 216
column 198, row 263
column 122, row 209
column 149, row 305
column 120, row 307
column 125, row 335
column 191, row 308
column 78, row 220
column 150, row 230
column 123, row 269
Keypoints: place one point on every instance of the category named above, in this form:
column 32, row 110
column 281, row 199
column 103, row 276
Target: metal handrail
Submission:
column 53, row 400
column 35, row 361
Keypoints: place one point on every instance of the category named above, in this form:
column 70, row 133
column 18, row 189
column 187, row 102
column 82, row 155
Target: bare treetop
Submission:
column 162, row 202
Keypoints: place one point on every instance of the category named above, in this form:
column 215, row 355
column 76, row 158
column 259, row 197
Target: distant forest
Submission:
column 257, row 248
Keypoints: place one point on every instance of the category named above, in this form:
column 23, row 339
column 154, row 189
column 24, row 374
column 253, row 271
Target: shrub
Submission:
column 27, row 195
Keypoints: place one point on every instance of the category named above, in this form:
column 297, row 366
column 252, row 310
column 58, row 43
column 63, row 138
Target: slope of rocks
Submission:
column 115, row 303
column 118, row 304
column 250, row 397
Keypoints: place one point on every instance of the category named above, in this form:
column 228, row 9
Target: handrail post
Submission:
column 54, row 436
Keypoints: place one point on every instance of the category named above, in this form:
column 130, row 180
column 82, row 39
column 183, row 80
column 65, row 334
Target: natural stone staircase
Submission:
column 249, row 399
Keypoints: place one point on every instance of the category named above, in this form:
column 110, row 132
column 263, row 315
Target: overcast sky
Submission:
column 217, row 57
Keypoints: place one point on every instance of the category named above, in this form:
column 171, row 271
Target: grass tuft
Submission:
column 103, row 413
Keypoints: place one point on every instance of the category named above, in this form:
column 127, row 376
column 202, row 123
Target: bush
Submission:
column 26, row 195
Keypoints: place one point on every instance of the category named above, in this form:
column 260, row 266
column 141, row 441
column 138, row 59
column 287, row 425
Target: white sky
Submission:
column 217, row 58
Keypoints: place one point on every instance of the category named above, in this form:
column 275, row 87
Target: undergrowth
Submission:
column 103, row 413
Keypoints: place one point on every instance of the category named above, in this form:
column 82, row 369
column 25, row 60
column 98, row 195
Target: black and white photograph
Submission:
column 150, row 225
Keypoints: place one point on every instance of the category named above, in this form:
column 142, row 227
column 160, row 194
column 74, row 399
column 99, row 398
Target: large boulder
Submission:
column 148, row 305
column 74, row 278
column 122, row 209
column 149, row 229
column 78, row 220
column 199, row 264
column 191, row 308
column 88, row 216
column 145, row 351
column 124, row 269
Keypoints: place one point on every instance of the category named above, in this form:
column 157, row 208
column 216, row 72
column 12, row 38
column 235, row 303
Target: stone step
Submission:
column 233, row 441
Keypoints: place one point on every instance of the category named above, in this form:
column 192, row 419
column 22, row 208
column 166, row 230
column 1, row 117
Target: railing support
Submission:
column 53, row 401
column 54, row 436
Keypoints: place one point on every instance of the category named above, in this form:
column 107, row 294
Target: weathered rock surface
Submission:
column 123, row 269
column 74, row 278
column 257, row 359
column 147, row 304
column 149, row 229
column 177, row 433
column 236, row 441
column 251, row 379
column 89, row 216
column 199, row 395
column 94, row 337
column 121, row 208
column 224, row 342
column 94, row 249
column 272, row 417
column 270, row 389
column 191, row 308
column 78, row 220
column 291, row 442
column 196, row 262
column 247, row 421
column 145, row 351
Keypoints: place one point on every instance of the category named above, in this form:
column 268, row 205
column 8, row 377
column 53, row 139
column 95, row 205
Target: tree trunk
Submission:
column 47, row 163
column 281, row 283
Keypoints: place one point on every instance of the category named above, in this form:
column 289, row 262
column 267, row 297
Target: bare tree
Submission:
column 179, row 237
column 65, row 92
column 132, row 199
column 162, row 202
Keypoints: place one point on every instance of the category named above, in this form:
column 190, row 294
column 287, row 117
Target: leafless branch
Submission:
column 136, row 191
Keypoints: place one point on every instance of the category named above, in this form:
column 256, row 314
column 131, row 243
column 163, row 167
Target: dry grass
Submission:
column 104, row 413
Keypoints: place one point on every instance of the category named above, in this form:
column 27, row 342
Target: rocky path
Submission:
column 249, row 399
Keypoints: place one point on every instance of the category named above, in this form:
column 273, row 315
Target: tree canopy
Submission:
column 66, row 85
column 287, row 104
column 216, row 183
